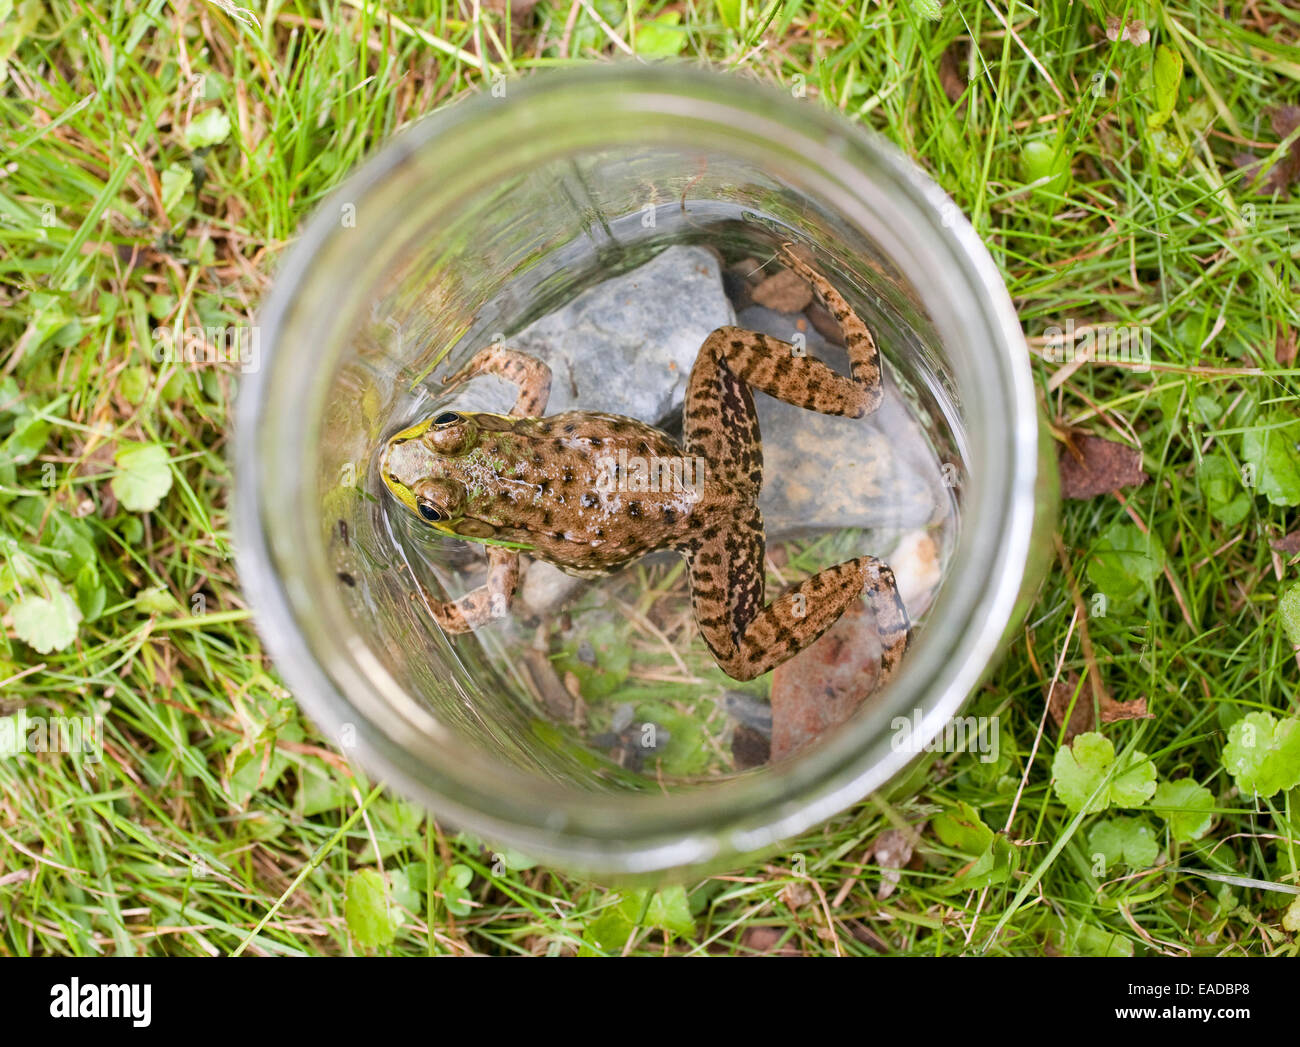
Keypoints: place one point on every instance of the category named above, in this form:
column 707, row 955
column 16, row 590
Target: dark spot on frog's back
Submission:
column 633, row 508
column 590, row 501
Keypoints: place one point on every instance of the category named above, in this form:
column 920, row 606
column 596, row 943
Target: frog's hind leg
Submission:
column 527, row 373
column 478, row 606
column 747, row 638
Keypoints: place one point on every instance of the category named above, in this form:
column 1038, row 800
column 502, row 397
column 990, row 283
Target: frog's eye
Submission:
column 428, row 510
column 447, row 418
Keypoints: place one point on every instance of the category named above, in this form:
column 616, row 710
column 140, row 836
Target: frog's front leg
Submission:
column 747, row 638
column 527, row 373
column 781, row 370
column 478, row 606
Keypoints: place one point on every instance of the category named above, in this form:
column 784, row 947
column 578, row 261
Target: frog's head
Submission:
column 425, row 468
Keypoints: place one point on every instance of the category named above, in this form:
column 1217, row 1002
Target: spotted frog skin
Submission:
column 550, row 487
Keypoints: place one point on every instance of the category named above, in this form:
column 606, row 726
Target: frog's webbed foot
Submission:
column 748, row 639
column 527, row 373
column 478, row 606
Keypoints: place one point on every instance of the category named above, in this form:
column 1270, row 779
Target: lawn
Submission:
column 159, row 157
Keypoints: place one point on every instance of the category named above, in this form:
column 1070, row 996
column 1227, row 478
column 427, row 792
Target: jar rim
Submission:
column 590, row 831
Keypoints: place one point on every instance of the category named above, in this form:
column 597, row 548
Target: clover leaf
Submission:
column 369, row 914
column 1079, row 770
column 1263, row 754
column 143, row 478
column 46, row 623
column 1124, row 562
column 207, row 129
column 1187, row 808
column 1127, row 840
column 996, row 858
column 454, row 888
column 1270, row 449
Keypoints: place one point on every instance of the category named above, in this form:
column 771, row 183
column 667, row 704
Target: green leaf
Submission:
column 408, row 885
column 157, row 599
column 729, row 12
column 1125, row 562
column 144, row 477
column 667, row 910
column 176, row 181
column 14, row 30
column 46, row 623
column 930, row 10
column 1187, row 808
column 612, row 662
column 1079, row 769
column 74, row 539
column 1221, row 485
column 27, row 440
column 207, row 129
column 1170, row 149
column 670, row 910
column 133, row 383
column 1129, row 840
column 1083, row 939
column 91, row 594
column 1042, row 160
column 1263, row 754
column 1166, row 78
column 1270, row 450
column 454, row 888
column 995, row 857
column 369, row 915
column 661, row 38
column 320, row 789
column 254, row 771
column 1288, row 610
column 964, row 829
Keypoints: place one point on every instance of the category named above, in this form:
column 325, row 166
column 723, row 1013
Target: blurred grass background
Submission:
column 1126, row 163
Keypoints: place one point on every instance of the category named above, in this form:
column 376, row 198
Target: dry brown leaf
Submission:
column 1289, row 544
column 1134, row 31
column 1082, row 719
column 1284, row 120
column 1285, row 347
column 1093, row 466
column 950, row 74
column 764, row 939
column 1113, row 711
column 893, row 850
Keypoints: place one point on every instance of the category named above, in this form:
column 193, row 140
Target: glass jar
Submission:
column 487, row 215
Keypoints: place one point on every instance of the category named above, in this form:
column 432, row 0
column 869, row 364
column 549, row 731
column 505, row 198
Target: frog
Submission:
column 559, row 489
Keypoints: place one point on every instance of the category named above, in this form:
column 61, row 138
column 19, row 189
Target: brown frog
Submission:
column 590, row 492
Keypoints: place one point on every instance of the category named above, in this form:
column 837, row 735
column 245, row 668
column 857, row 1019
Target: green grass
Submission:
column 217, row 821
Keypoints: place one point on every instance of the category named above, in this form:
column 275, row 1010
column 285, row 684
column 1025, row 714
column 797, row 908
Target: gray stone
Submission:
column 626, row 346
column 545, row 589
